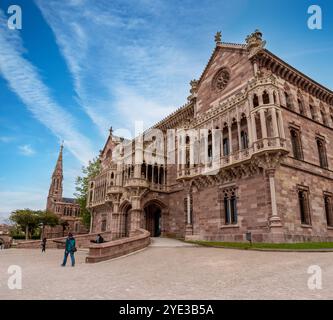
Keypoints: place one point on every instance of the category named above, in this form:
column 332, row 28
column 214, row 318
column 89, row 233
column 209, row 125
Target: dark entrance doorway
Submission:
column 153, row 219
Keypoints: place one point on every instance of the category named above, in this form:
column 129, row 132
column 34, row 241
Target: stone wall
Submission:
column 118, row 248
column 82, row 241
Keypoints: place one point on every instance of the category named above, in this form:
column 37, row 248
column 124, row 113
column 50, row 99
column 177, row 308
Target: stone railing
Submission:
column 267, row 144
column 136, row 183
column 82, row 241
column 118, row 248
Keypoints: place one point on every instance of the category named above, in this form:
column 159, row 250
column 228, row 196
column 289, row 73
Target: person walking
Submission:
column 44, row 245
column 70, row 248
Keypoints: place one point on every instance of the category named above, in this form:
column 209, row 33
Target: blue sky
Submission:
column 78, row 67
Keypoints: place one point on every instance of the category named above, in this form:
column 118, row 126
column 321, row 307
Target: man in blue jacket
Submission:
column 70, row 248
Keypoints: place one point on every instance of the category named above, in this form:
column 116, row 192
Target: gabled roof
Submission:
column 217, row 48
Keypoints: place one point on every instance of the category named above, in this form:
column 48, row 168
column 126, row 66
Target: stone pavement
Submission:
column 168, row 270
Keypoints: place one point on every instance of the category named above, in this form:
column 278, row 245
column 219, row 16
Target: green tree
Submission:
column 46, row 218
column 26, row 219
column 82, row 185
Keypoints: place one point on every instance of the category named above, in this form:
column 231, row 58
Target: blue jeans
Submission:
column 72, row 258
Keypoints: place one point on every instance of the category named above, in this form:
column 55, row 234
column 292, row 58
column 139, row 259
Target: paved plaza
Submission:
column 168, row 269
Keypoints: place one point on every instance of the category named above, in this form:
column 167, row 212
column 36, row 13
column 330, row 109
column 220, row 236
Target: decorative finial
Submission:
column 111, row 130
column 193, row 90
column 218, row 37
column 254, row 42
column 62, row 145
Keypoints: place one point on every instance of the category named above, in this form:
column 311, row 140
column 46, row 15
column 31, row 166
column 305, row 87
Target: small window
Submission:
column 322, row 153
column 296, row 144
column 225, row 146
column 288, row 100
column 301, row 107
column 303, row 198
column 265, row 97
column 244, row 140
column 328, row 202
column 230, row 208
column 323, row 117
column 255, row 101
column 313, row 113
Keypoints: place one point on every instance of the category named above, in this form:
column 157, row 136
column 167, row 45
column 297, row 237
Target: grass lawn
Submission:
column 278, row 246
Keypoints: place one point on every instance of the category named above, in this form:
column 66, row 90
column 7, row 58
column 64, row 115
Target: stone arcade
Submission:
column 273, row 173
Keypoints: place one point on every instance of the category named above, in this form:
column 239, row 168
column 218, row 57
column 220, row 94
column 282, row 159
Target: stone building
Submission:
column 67, row 209
column 263, row 134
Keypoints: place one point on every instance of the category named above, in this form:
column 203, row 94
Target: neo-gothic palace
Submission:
column 273, row 162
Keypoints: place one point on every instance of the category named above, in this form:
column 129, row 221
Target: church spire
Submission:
column 58, row 168
column 55, row 191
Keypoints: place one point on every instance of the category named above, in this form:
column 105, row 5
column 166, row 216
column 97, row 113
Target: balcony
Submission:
column 115, row 190
column 136, row 183
column 234, row 159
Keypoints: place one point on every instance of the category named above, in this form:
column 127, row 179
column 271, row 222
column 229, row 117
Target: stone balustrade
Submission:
column 118, row 248
column 267, row 144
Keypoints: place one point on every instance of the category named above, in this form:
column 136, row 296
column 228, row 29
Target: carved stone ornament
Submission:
column 221, row 80
column 255, row 43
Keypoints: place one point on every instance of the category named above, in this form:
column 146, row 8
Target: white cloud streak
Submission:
column 123, row 67
column 26, row 150
column 24, row 80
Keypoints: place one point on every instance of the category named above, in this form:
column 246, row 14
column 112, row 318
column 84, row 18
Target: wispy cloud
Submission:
column 23, row 79
column 124, row 66
column 26, row 150
column 6, row 139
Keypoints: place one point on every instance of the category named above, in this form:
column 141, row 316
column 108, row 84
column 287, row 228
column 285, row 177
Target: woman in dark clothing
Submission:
column 44, row 245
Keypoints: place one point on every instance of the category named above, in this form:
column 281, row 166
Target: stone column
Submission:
column 263, row 123
column 261, row 101
column 274, row 220
column 91, row 221
column 135, row 215
column 254, row 129
column 115, row 220
column 189, row 209
column 239, row 136
column 263, row 126
column 274, row 123
column 230, row 138
column 249, row 130
column 282, row 135
column 189, row 224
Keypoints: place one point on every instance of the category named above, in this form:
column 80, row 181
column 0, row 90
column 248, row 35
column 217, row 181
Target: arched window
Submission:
column 296, row 144
column 112, row 175
column 328, row 200
column 300, row 106
column 210, row 144
column 230, row 207
column 322, row 153
column 255, row 101
column 265, row 97
column 288, row 100
column 244, row 140
column 303, row 198
column 226, row 149
column 323, row 117
column 312, row 112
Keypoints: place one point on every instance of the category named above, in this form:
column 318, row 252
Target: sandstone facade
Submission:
column 264, row 132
